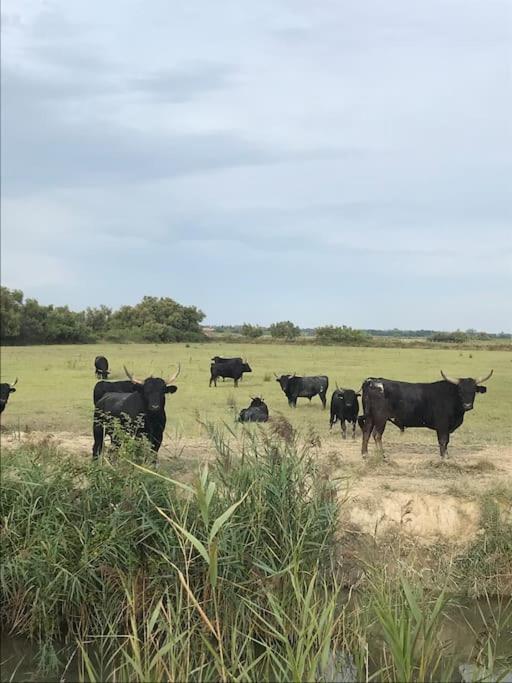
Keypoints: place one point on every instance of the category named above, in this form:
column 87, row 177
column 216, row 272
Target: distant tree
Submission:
column 340, row 335
column 97, row 319
column 11, row 309
column 457, row 337
column 251, row 331
column 284, row 330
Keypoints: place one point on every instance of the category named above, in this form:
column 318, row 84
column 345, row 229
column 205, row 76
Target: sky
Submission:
column 335, row 162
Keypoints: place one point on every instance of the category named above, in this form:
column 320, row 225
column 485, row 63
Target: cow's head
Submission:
column 467, row 388
column 348, row 396
column 256, row 402
column 284, row 381
column 246, row 367
column 153, row 390
column 6, row 390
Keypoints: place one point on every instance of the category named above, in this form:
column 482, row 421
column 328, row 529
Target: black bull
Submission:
column 303, row 387
column 440, row 406
column 234, row 369
column 6, row 390
column 345, row 408
column 141, row 411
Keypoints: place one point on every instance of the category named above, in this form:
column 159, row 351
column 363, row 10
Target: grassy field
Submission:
column 56, row 382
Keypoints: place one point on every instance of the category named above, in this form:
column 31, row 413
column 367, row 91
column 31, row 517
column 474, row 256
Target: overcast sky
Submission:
column 331, row 162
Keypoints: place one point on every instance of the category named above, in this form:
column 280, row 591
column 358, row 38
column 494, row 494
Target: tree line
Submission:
column 161, row 319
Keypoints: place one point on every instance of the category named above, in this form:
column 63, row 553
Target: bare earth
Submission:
column 414, row 491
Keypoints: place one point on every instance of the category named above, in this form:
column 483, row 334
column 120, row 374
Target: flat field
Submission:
column 55, row 385
column 440, row 500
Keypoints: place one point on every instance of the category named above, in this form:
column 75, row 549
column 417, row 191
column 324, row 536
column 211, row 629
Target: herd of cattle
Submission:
column 138, row 405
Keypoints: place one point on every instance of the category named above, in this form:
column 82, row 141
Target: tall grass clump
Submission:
column 159, row 580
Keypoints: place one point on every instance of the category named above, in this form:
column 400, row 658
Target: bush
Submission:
column 251, row 331
column 284, row 330
column 340, row 335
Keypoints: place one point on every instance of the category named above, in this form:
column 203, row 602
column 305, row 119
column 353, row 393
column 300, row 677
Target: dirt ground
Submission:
column 413, row 491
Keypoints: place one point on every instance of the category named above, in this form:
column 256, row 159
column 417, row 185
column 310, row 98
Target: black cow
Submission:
column 303, row 387
column 256, row 412
column 140, row 412
column 437, row 405
column 220, row 359
column 6, row 390
column 345, row 407
column 101, row 367
column 233, row 368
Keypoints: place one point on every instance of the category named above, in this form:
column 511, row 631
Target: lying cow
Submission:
column 440, row 406
column 345, row 408
column 303, row 387
column 256, row 412
column 233, row 368
column 6, row 390
column 101, row 367
column 140, row 412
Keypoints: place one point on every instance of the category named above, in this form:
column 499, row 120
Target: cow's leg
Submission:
column 236, row 382
column 367, row 430
column 377, row 435
column 354, row 429
column 343, row 428
column 443, row 438
column 322, row 398
column 98, row 434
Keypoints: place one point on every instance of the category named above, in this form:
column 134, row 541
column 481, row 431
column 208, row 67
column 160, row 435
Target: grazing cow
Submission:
column 303, row 387
column 140, row 412
column 233, row 368
column 437, row 405
column 345, row 407
column 101, row 367
column 6, row 390
column 256, row 412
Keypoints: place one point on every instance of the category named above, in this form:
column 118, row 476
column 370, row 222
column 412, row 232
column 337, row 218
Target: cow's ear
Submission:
column 481, row 390
column 171, row 389
column 11, row 390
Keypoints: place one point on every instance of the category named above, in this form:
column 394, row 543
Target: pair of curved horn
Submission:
column 454, row 380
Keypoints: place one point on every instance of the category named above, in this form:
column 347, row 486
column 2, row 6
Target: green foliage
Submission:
column 284, row 330
column 456, row 337
column 341, row 335
column 152, row 320
column 251, row 331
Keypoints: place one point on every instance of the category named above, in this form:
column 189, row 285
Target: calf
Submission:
column 256, row 412
column 345, row 407
column 101, row 367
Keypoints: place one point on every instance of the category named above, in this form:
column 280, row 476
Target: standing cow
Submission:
column 440, row 406
column 101, row 367
column 6, row 390
column 220, row 359
column 140, row 412
column 256, row 412
column 303, row 387
column 233, row 368
column 345, row 408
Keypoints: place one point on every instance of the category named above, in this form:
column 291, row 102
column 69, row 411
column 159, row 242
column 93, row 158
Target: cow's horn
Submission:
column 452, row 380
column 480, row 380
column 131, row 377
column 16, row 382
column 170, row 381
column 276, row 376
column 336, row 383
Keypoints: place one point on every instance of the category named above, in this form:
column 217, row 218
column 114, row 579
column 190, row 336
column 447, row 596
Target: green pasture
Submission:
column 54, row 390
